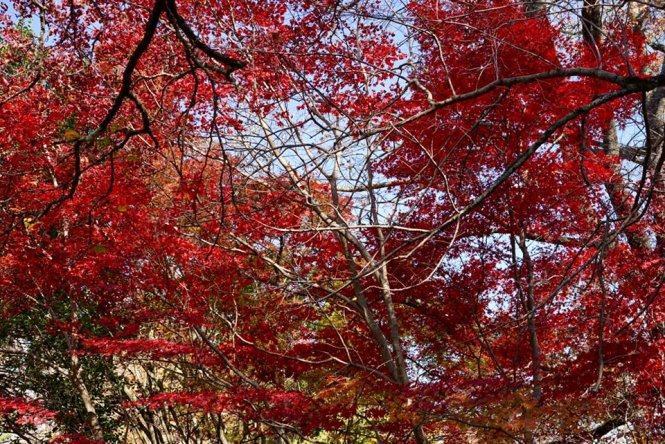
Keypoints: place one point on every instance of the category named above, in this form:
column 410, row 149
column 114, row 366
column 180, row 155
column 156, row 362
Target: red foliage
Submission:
column 505, row 280
column 26, row 412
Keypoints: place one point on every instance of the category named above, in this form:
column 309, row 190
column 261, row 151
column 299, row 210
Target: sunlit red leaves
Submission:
column 164, row 242
column 25, row 412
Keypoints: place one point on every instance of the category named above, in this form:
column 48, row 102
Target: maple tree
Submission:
column 336, row 221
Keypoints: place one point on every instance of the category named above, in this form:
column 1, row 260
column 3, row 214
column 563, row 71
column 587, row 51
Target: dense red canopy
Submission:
column 344, row 221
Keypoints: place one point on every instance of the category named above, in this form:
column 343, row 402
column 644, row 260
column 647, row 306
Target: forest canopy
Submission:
column 360, row 221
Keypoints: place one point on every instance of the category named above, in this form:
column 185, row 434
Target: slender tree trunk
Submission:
column 618, row 190
column 592, row 22
column 366, row 313
column 536, row 355
column 386, row 292
column 655, row 122
column 76, row 376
